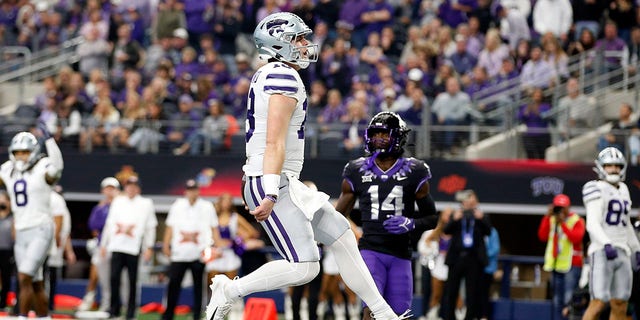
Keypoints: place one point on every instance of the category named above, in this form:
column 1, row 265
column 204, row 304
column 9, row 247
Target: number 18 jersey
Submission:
column 274, row 78
column 382, row 193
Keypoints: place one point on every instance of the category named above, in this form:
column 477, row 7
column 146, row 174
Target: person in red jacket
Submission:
column 563, row 231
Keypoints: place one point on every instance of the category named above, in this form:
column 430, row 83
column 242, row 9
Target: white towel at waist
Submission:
column 307, row 200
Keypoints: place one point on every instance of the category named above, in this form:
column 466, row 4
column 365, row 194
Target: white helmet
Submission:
column 613, row 156
column 24, row 141
column 275, row 37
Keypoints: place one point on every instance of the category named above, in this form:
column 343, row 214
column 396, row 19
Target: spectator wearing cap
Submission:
column 99, row 271
column 211, row 135
column 183, row 123
column 130, row 231
column 563, row 231
column 191, row 228
column 179, row 41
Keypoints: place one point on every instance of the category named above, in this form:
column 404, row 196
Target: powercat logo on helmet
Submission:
column 275, row 27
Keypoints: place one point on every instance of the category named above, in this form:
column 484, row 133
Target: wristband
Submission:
column 272, row 198
column 271, row 183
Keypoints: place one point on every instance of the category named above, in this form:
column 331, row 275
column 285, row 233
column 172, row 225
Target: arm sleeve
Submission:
column 543, row 229
column 56, row 166
column 493, row 245
column 576, row 233
column 429, row 217
column 594, row 219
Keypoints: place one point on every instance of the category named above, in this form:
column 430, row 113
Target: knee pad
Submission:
column 307, row 271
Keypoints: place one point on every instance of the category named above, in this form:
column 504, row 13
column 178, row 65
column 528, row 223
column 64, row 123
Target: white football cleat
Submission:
column 219, row 305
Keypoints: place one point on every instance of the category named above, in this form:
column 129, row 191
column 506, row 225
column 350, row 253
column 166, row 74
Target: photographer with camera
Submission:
column 467, row 255
column 563, row 231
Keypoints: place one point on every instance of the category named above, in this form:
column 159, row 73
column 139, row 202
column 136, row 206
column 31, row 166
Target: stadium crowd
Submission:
column 176, row 73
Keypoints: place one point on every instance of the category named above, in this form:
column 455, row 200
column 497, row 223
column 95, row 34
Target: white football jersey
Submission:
column 29, row 192
column 610, row 223
column 274, row 78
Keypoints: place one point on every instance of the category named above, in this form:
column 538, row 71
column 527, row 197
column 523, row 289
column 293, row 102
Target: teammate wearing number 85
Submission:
column 293, row 215
column 28, row 177
column 613, row 240
column 387, row 187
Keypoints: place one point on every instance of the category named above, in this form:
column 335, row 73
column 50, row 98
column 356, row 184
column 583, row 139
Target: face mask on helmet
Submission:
column 282, row 36
column 386, row 134
column 24, row 141
column 611, row 156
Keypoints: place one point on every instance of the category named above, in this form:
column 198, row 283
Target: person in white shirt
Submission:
column 28, row 177
column 130, row 230
column 61, row 244
column 191, row 228
column 614, row 248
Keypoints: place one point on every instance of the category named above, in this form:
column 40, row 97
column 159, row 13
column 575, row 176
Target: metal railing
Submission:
column 31, row 67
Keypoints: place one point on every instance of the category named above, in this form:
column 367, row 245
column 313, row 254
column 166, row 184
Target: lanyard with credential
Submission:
column 467, row 233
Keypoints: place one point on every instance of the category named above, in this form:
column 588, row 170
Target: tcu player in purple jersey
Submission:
column 387, row 186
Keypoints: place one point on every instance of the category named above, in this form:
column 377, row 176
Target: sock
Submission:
column 273, row 275
column 356, row 275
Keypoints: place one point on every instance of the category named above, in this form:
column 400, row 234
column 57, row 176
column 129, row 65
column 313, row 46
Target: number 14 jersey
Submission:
column 382, row 193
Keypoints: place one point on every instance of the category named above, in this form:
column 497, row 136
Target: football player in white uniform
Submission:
column 613, row 241
column 293, row 215
column 28, row 177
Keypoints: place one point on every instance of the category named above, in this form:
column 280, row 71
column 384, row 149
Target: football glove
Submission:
column 398, row 224
column 42, row 127
column 610, row 252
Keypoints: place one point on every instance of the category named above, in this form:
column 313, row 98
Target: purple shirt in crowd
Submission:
column 351, row 11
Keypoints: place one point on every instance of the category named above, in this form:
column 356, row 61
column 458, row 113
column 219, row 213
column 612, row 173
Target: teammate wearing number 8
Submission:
column 613, row 240
column 293, row 215
column 387, row 187
column 28, row 177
